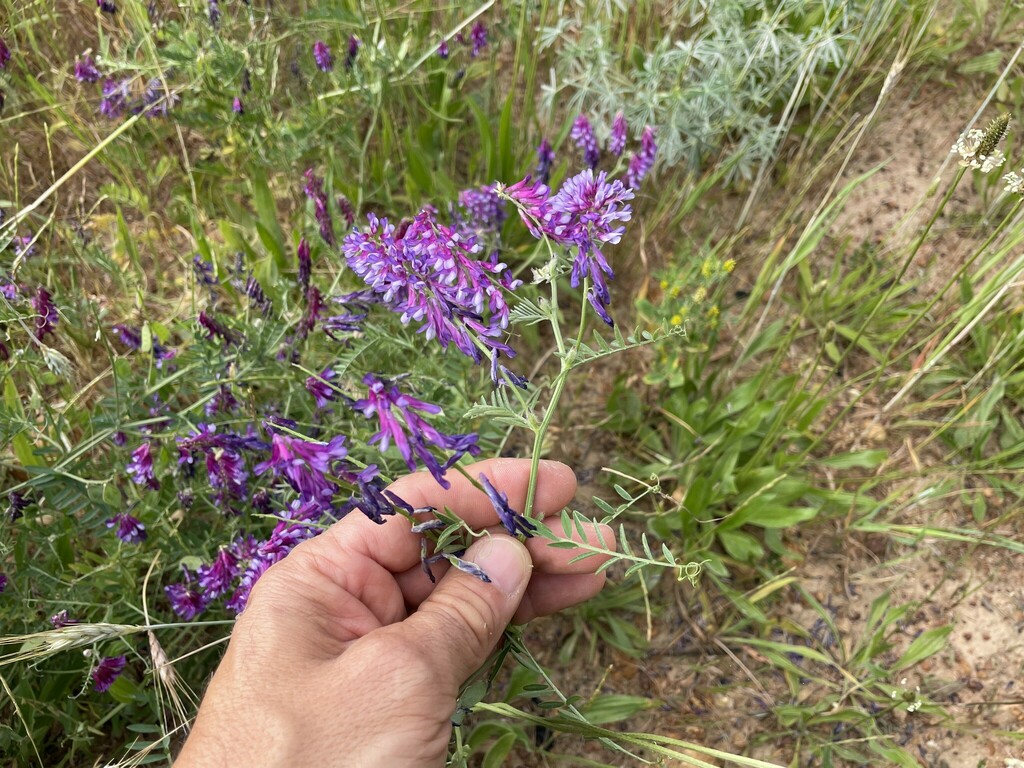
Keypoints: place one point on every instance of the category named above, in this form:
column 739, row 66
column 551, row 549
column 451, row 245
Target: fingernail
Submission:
column 505, row 561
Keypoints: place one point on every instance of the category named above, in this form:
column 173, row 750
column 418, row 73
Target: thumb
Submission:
column 462, row 619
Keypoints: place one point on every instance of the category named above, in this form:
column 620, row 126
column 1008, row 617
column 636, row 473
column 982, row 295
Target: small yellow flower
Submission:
column 676, row 319
column 713, row 313
column 664, row 284
column 729, row 265
column 674, row 293
column 707, row 268
column 700, row 294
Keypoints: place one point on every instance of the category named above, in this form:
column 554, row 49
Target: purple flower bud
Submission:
column 46, row 313
column 617, row 141
column 314, row 189
column 85, row 70
column 141, row 467
column 582, row 133
column 129, row 529
column 3, row 582
column 514, row 522
column 305, row 265
column 322, row 392
column 478, row 36
column 17, row 504
column 204, row 271
column 643, row 161
column 353, row 51
column 215, row 328
column 442, row 49
column 257, row 298
column 213, row 8
column 237, row 107
column 119, row 439
column 5, row 53
column 60, row 619
column 216, row 578
column 322, row 54
column 345, row 206
column 107, row 6
column 545, row 159
column 110, row 667
column 129, row 336
column 467, row 567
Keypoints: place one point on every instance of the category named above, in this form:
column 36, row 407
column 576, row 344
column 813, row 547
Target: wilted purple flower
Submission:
column 428, row 273
column 345, row 206
column 442, row 49
column 412, row 434
column 545, row 159
column 17, row 504
column 237, row 107
column 257, row 298
column 305, row 265
column 514, row 522
column 353, row 51
column 5, row 53
column 305, row 464
column 223, row 400
column 85, row 70
column 582, row 133
column 642, row 162
column 373, row 499
column 185, row 601
column 141, row 467
column 617, row 141
column 314, row 190
column 215, row 328
column 214, row 10
column 323, row 57
column 129, row 529
column 60, row 619
column 215, row 579
column 478, row 36
column 485, row 210
column 204, row 271
column 467, row 567
column 322, row 392
column 110, row 667
column 46, row 313
column 107, row 6
column 115, row 97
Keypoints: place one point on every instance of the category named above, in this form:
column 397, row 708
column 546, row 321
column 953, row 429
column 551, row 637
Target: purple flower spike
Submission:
column 485, row 211
column 442, row 49
column 643, row 161
column 215, row 579
column 545, row 159
column 305, row 464
column 314, row 190
column 237, row 107
column 107, row 6
column 129, row 529
column 617, row 141
column 107, row 671
column 85, row 70
column 322, row 54
column 514, row 522
column 478, row 37
column 305, row 266
column 413, row 433
column 46, row 313
column 5, row 53
column 215, row 328
column 353, row 50
column 321, row 391
column 185, row 601
column 141, row 467
column 582, row 134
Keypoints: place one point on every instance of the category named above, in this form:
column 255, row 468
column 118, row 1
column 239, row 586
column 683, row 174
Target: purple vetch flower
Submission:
column 617, row 141
column 223, row 401
column 322, row 392
column 128, row 336
column 353, row 51
column 141, row 467
column 3, row 582
column 156, row 100
column 442, row 49
column 115, row 97
column 429, row 273
column 204, row 271
column 86, row 71
column 17, row 503
column 213, row 7
column 257, row 298
column 107, row 671
column 545, row 159
column 305, row 464
column 215, row 579
column 582, row 133
column 119, row 438
column 374, row 500
column 643, row 161
column 305, row 265
column 478, row 37
column 531, row 199
column 185, row 601
column 5, row 53
column 186, row 499
column 215, row 328
column 322, row 54
column 227, row 475
column 8, row 289
column 412, row 433
column 346, row 209
column 46, row 313
column 485, row 210
column 237, row 107
column 514, row 522
column 60, row 619
column 467, row 567
column 129, row 529
column 314, row 190
column 107, row 6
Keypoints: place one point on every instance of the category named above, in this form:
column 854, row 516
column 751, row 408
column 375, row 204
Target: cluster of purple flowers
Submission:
column 587, row 213
column 429, row 272
column 314, row 189
column 322, row 56
column 108, row 669
column 617, row 141
column 129, row 529
column 46, row 313
column 545, row 159
column 582, row 133
column 320, row 388
column 155, row 101
column 412, row 433
column 86, row 71
column 354, row 44
column 477, row 42
column 484, row 210
column 643, row 161
column 141, row 467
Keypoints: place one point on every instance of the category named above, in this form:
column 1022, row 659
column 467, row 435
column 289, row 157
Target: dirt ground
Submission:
column 708, row 691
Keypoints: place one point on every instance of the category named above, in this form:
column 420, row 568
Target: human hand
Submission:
column 347, row 654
